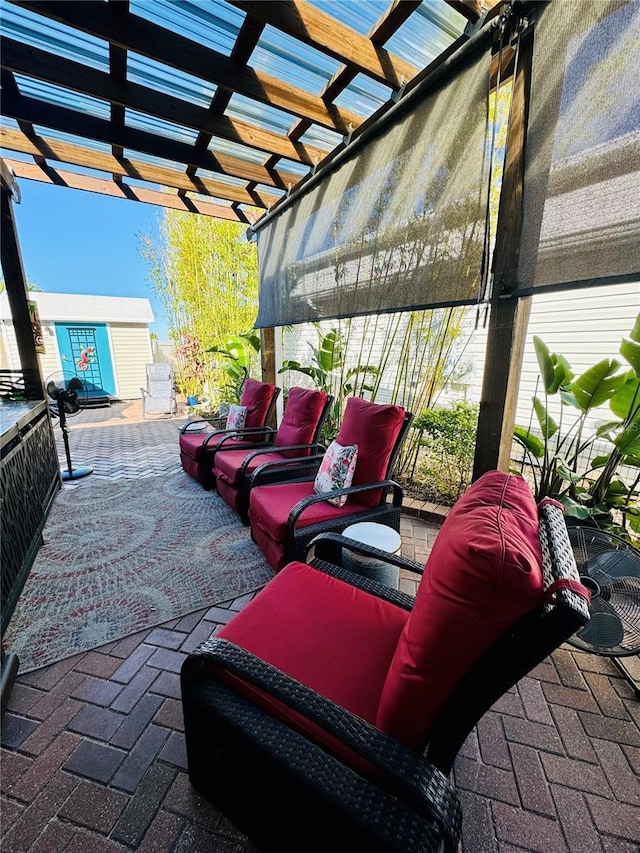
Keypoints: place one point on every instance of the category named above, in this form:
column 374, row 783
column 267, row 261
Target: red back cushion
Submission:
column 301, row 415
column 374, row 428
column 256, row 396
column 484, row 571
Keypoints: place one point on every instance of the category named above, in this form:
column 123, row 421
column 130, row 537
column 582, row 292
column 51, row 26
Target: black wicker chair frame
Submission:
column 290, row 794
column 292, row 468
column 261, row 436
column 298, row 537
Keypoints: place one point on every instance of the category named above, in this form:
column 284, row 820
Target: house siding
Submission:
column 131, row 352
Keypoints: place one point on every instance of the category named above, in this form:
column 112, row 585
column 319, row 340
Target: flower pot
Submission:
column 192, row 399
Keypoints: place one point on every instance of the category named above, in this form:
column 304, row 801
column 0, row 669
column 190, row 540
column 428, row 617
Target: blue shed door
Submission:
column 84, row 351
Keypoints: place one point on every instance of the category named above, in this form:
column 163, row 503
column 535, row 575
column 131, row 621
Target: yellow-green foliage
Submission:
column 206, row 275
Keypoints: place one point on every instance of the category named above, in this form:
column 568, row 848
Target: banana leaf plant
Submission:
column 329, row 372
column 563, row 457
column 239, row 353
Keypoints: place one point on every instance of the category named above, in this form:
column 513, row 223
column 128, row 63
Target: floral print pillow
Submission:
column 237, row 416
column 336, row 471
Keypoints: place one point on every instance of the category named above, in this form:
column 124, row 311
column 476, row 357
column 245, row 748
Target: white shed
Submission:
column 103, row 339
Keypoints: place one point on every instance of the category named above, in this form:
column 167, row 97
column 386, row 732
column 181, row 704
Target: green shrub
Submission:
column 448, row 439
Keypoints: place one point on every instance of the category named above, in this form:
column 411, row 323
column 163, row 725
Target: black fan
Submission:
column 610, row 569
column 66, row 394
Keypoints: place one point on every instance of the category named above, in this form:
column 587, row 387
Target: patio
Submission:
column 93, row 752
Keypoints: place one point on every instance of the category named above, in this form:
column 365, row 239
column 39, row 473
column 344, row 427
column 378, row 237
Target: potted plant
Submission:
column 565, row 462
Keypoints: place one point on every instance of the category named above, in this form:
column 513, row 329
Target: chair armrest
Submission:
column 408, row 775
column 247, row 432
column 274, row 449
column 293, row 461
column 328, row 548
column 303, row 504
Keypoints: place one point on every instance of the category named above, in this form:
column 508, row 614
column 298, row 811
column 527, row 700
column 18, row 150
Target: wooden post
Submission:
column 268, row 361
column 15, row 281
column 509, row 316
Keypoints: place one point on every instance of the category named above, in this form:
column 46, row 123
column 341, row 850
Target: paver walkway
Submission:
column 93, row 752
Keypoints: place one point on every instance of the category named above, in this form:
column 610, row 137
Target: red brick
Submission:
column 577, row 825
column 10, row 811
column 23, row 698
column 45, row 767
column 607, row 698
column 492, row 741
column 478, row 834
column 568, row 672
column 124, row 648
column 569, row 697
column 532, row 784
column 135, row 689
column 615, row 818
column 528, row 830
column 534, row 702
column 170, row 715
column 162, row 835
column 486, row 780
column 51, row 701
column 619, row 731
column 183, row 798
column 136, row 722
column 13, row 766
column 533, row 734
column 94, row 663
column 574, row 737
column 623, row 780
column 128, row 668
column 219, row 614
column 52, row 727
column 94, row 806
column 37, row 815
column 575, row 774
column 54, row 839
column 49, row 676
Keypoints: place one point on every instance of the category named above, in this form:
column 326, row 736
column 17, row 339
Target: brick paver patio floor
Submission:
column 93, row 753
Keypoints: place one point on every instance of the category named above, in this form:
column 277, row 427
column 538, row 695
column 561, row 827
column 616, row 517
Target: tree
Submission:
column 206, row 275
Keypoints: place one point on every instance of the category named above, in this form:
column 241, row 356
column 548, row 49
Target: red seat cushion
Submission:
column 191, row 444
column 286, row 625
column 256, row 396
column 300, row 420
column 484, row 571
column 271, row 505
column 228, row 463
column 374, row 428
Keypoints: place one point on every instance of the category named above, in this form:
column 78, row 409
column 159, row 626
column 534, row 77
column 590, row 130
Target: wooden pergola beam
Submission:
column 121, row 167
column 148, row 39
column 32, row 62
column 73, row 180
column 472, row 9
column 315, row 28
column 101, row 130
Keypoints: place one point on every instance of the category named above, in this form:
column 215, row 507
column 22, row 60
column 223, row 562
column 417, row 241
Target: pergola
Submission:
column 228, row 108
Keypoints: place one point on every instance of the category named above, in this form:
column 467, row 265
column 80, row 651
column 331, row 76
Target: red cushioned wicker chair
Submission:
column 285, row 517
column 198, row 449
column 289, row 456
column 326, row 713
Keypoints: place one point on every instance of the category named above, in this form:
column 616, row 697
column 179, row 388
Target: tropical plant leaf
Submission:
column 329, row 353
column 630, row 350
column 529, row 441
column 545, row 363
column 609, row 429
column 565, row 473
column 597, row 384
column 627, row 399
column 634, row 334
column 548, row 426
column 600, row 461
column 628, row 442
column 574, row 509
column 568, row 398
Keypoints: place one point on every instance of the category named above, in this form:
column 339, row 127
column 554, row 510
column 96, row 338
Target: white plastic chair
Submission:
column 159, row 397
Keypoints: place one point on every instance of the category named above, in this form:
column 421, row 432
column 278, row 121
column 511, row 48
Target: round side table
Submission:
column 378, row 536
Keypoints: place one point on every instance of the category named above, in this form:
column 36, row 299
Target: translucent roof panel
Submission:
column 52, row 94
column 429, row 31
column 163, row 78
column 285, row 58
column 212, row 24
column 363, row 95
column 262, row 115
column 361, row 17
column 321, row 137
column 82, row 142
column 232, row 149
column 157, row 126
column 30, row 28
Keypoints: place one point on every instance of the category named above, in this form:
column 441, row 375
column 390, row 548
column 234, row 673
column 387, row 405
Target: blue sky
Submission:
column 81, row 242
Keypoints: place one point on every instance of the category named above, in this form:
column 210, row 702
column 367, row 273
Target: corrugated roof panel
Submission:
column 321, row 137
column 163, row 78
column 361, row 17
column 233, row 149
column 261, row 115
column 429, row 31
column 82, row 142
column 33, row 29
column 363, row 95
column 286, row 58
column 151, row 124
column 212, row 24
column 52, row 94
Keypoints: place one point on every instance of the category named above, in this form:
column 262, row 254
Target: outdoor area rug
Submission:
column 121, row 557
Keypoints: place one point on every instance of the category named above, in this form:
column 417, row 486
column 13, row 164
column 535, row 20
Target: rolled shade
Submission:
column 581, row 209
column 398, row 225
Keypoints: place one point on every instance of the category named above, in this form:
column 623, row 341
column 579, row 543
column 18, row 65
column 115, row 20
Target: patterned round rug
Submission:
column 122, row 557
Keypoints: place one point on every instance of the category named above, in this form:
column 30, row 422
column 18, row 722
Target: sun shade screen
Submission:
column 582, row 180
column 401, row 224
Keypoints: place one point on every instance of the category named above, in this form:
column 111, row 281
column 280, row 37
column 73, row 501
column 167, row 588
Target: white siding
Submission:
column 131, row 351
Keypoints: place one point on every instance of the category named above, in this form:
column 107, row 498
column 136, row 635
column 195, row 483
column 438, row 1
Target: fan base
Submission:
column 76, row 473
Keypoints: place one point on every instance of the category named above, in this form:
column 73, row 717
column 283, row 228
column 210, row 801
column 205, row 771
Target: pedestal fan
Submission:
column 65, row 396
column 610, row 569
